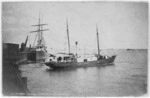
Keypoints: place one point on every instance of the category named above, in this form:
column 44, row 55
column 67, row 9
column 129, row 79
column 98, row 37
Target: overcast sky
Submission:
column 120, row 24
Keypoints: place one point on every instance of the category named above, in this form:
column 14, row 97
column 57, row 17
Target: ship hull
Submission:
column 61, row 65
column 41, row 55
column 37, row 55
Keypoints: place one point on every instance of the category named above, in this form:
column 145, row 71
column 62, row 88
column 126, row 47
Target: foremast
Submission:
column 40, row 41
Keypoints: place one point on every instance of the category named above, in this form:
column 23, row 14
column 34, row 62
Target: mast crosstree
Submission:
column 40, row 40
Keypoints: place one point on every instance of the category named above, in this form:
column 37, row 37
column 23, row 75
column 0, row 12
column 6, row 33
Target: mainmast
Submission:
column 40, row 41
column 68, row 36
column 98, row 41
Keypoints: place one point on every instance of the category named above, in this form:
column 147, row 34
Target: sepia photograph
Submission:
column 75, row 49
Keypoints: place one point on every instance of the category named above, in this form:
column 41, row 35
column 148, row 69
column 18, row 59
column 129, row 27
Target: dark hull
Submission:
column 60, row 65
column 37, row 55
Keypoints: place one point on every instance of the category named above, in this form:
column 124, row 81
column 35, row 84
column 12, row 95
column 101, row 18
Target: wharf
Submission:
column 13, row 84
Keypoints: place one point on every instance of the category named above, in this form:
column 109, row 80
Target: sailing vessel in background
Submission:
column 38, row 51
column 69, row 60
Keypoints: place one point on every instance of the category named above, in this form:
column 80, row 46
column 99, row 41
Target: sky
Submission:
column 121, row 25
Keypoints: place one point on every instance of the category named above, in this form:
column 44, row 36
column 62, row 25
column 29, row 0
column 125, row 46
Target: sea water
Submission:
column 127, row 77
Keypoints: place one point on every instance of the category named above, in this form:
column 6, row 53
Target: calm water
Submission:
column 127, row 77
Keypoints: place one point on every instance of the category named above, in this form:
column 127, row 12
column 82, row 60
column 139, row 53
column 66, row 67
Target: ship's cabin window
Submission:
column 85, row 60
column 66, row 58
column 59, row 58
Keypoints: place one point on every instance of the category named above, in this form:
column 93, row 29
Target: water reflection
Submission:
column 121, row 79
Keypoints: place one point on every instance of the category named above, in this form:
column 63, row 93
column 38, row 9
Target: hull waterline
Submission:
column 62, row 65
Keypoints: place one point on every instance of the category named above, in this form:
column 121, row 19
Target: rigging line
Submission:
column 114, row 52
column 110, row 53
column 65, row 44
column 28, row 41
column 103, row 52
column 44, row 42
column 35, row 40
column 107, row 52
